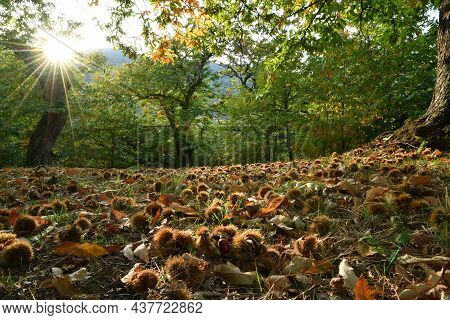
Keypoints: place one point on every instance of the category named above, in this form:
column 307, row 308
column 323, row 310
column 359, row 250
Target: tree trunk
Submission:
column 267, row 135
column 288, row 143
column 44, row 137
column 113, row 150
column 435, row 124
column 54, row 88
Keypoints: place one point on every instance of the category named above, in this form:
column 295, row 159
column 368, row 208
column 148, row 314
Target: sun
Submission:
column 57, row 51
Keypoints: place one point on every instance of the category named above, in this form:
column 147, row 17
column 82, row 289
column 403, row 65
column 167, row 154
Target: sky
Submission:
column 91, row 37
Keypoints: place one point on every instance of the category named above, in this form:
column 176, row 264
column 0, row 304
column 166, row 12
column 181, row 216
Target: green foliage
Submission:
column 307, row 78
column 20, row 104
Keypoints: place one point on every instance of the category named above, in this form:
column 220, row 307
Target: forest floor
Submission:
column 368, row 224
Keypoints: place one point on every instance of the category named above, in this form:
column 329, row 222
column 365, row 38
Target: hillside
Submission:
column 368, row 224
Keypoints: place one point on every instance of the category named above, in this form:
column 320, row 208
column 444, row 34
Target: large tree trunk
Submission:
column 44, row 137
column 434, row 126
column 54, row 86
column 52, row 121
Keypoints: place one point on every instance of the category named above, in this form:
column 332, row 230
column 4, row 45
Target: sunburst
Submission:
column 57, row 51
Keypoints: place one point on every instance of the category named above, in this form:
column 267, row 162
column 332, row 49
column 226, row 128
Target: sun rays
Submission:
column 53, row 67
column 56, row 51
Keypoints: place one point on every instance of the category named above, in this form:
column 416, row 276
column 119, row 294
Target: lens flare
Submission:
column 56, row 51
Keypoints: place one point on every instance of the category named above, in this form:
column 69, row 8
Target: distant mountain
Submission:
column 116, row 57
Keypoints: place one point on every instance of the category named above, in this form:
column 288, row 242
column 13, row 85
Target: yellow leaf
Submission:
column 63, row 285
column 80, row 249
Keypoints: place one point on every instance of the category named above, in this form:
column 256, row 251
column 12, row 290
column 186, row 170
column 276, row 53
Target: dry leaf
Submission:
column 57, row 272
column 348, row 274
column 278, row 283
column 282, row 222
column 113, row 249
column 186, row 210
column 439, row 261
column 420, row 289
column 346, row 187
column 320, row 266
column 63, row 285
column 298, row 265
column 156, row 217
column 128, row 252
column 362, row 290
column 79, row 275
column 234, row 276
column 168, row 199
column 119, row 215
column 72, row 171
column 419, row 180
column 375, row 193
column 380, row 180
column 10, row 216
column 274, row 204
column 364, row 249
column 142, row 253
column 80, row 249
column 136, row 268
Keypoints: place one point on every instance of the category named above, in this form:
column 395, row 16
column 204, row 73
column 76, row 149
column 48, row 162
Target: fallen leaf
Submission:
column 364, row 249
column 186, row 210
column 400, row 271
column 234, row 276
column 362, row 290
column 298, row 265
column 156, row 217
column 63, row 285
column 375, row 193
column 346, row 187
column 420, row 289
column 380, row 180
column 436, row 260
column 119, row 215
column 136, row 268
column 113, row 248
column 419, row 180
column 419, row 238
column 9, row 216
column 303, row 279
column 72, row 171
column 320, row 266
column 142, row 253
column 168, row 199
column 57, row 271
column 39, row 221
column 282, row 222
column 348, row 274
column 278, row 283
column 274, row 204
column 79, row 275
column 80, row 249
column 128, row 252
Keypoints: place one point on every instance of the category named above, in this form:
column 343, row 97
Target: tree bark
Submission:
column 434, row 126
column 44, row 137
column 288, row 143
column 54, row 87
column 52, row 122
